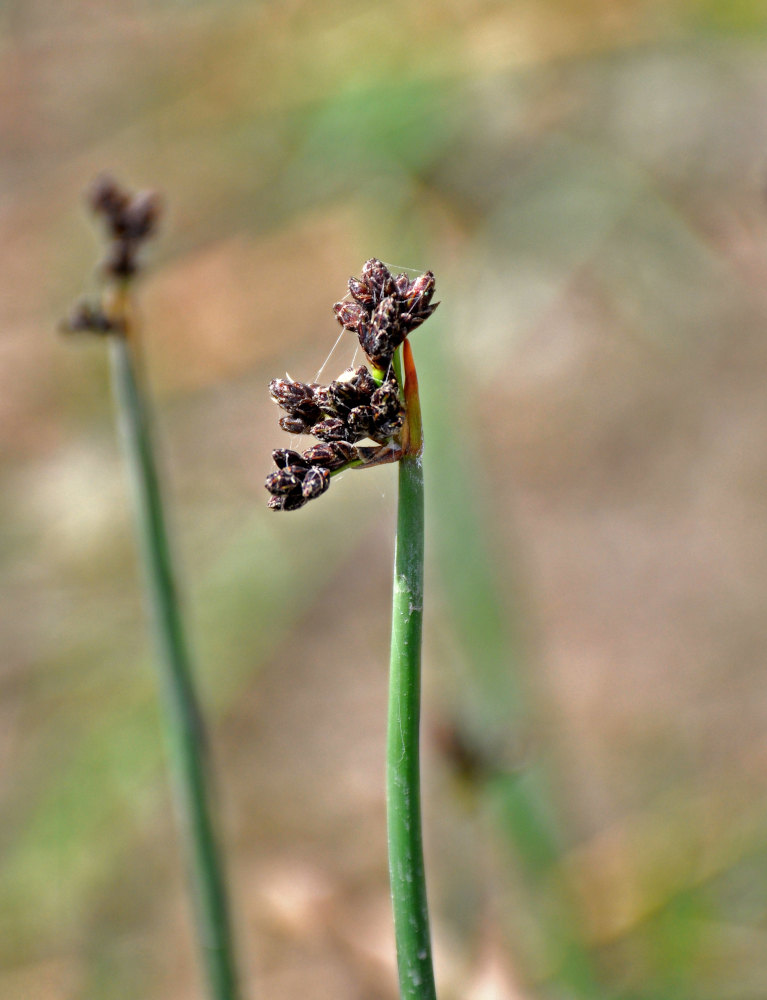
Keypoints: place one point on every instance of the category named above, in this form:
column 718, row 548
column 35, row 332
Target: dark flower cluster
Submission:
column 356, row 406
column 385, row 309
column 300, row 478
column 89, row 317
column 130, row 219
column 351, row 408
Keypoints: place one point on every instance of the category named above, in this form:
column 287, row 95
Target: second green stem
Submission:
column 406, row 866
column 183, row 718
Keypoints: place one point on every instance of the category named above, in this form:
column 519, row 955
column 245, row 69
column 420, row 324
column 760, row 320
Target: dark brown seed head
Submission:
column 316, row 481
column 298, row 471
column 293, row 425
column 336, row 409
column 378, row 348
column 416, row 304
column 288, row 394
column 88, row 317
column 343, row 393
column 354, row 406
column 320, row 454
column 365, row 383
column 360, row 292
column 383, row 335
column 130, row 219
column 332, row 429
column 384, row 315
column 344, row 452
column 350, row 315
column 352, row 374
column 362, row 420
column 107, row 198
column 386, row 397
column 420, row 293
column 333, row 454
column 293, row 501
column 366, row 386
column 307, row 410
column 283, row 457
column 411, row 321
column 388, row 430
column 282, row 481
column 323, row 400
column 378, row 279
column 139, row 219
column 290, row 502
column 401, row 285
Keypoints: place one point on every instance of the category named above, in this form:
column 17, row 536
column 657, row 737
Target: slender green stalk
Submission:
column 184, row 728
column 406, row 867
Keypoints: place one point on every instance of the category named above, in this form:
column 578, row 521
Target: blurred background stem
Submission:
column 406, row 866
column 184, row 727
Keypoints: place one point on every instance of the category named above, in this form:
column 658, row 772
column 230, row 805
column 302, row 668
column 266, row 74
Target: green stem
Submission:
column 406, row 868
column 184, row 726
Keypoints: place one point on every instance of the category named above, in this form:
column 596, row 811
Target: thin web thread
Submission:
column 400, row 267
column 327, row 359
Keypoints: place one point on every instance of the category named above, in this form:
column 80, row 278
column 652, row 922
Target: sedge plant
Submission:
column 379, row 405
column 129, row 221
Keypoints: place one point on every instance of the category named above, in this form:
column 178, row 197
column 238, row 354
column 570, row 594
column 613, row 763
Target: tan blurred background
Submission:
column 587, row 182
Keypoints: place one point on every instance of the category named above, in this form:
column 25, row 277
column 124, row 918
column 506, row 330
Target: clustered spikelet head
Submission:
column 129, row 220
column 385, row 309
column 360, row 404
